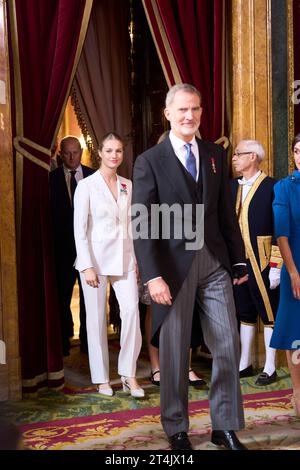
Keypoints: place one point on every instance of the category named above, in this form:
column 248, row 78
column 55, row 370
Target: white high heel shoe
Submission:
column 134, row 392
column 107, row 391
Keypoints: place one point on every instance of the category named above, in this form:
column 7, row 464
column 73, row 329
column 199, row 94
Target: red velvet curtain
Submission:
column 189, row 36
column 101, row 88
column 45, row 38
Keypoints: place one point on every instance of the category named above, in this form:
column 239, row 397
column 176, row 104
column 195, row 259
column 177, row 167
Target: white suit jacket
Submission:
column 102, row 226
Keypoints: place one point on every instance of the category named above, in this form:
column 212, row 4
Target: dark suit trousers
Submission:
column 213, row 286
column 66, row 278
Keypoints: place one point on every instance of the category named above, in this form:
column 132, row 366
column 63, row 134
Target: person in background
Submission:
column 187, row 172
column 105, row 253
column 153, row 351
column 62, row 184
column 286, row 334
column 253, row 196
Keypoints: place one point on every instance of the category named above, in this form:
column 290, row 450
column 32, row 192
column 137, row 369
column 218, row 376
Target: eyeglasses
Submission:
column 238, row 154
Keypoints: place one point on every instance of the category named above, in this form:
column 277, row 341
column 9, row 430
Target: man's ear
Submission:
column 167, row 113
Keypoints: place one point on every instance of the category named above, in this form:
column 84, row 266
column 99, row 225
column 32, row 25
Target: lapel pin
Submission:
column 123, row 188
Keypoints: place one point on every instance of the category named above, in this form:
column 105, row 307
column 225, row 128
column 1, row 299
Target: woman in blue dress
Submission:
column 286, row 207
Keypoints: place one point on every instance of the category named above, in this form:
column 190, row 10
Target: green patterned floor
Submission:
column 52, row 405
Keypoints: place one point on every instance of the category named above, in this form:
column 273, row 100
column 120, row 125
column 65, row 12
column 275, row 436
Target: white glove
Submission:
column 274, row 277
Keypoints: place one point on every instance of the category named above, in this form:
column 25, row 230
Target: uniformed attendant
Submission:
column 253, row 195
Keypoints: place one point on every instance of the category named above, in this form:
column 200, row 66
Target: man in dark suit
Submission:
column 63, row 181
column 185, row 171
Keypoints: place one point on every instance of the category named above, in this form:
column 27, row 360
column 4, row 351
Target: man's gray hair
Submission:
column 256, row 147
column 186, row 87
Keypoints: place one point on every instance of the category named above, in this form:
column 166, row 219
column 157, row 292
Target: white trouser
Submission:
column 126, row 291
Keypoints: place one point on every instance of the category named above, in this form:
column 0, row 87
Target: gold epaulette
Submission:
column 276, row 260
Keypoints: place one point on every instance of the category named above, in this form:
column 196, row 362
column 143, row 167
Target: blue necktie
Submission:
column 191, row 161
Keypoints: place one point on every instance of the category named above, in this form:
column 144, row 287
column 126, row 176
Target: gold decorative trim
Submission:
column 82, row 34
column 249, row 324
column 83, row 126
column 276, row 259
column 244, row 222
column 25, row 153
column 252, row 62
column 56, row 375
column 291, row 119
column 168, row 50
column 42, row 377
column 19, row 120
column 16, row 66
column 224, row 141
column 264, row 245
column 37, row 379
column 269, row 88
column 41, row 390
column 238, row 201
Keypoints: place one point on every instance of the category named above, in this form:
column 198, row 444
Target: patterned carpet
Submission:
column 270, row 424
column 79, row 418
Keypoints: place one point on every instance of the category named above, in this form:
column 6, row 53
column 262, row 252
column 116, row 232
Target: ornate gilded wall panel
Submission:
column 10, row 379
column 251, row 74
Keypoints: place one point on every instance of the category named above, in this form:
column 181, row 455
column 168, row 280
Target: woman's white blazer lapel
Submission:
column 108, row 198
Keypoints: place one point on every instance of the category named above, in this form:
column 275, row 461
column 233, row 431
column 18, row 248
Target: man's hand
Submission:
column 241, row 280
column 160, row 292
column 274, row 277
column 91, row 277
column 240, row 275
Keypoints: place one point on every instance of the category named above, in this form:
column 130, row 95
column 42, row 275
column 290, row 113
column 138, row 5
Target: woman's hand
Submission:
column 91, row 277
column 295, row 281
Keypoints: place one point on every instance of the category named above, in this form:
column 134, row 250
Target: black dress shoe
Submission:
column 227, row 439
column 180, row 441
column 265, row 379
column 248, row 372
column 200, row 384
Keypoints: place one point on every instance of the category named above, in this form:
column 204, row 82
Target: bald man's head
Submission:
column 71, row 152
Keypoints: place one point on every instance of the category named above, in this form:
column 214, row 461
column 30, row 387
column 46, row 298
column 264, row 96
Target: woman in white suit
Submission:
column 105, row 253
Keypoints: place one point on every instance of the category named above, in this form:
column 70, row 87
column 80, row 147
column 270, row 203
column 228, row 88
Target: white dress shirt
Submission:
column 180, row 150
column 78, row 177
column 247, row 184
